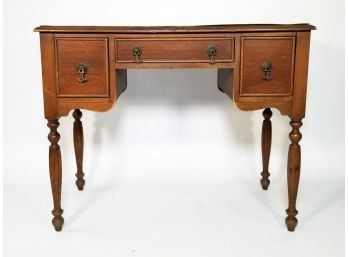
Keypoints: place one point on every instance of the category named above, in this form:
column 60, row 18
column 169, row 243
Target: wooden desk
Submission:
column 259, row 67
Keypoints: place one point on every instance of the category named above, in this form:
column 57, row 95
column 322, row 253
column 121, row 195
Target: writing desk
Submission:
column 259, row 67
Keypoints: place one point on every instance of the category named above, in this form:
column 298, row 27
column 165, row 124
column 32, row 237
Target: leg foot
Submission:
column 55, row 164
column 78, row 146
column 80, row 183
column 265, row 181
column 294, row 165
column 291, row 221
column 266, row 140
column 58, row 220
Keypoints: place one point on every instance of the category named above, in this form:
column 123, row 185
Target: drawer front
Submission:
column 267, row 65
column 175, row 50
column 82, row 67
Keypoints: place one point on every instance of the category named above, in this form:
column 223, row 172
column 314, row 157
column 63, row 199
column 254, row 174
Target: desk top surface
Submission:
column 177, row 29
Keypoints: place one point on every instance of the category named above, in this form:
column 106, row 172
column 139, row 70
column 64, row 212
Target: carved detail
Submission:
column 55, row 166
column 294, row 165
column 78, row 145
column 266, row 140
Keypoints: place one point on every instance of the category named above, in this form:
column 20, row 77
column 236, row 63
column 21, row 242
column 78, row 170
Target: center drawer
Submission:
column 200, row 50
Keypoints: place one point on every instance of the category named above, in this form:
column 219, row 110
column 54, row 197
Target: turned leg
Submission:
column 294, row 165
column 55, row 164
column 266, row 140
column 78, row 145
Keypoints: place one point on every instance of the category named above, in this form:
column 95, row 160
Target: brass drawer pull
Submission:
column 136, row 51
column 212, row 53
column 267, row 69
column 82, row 70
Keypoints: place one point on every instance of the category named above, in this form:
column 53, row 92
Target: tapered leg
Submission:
column 266, row 140
column 294, row 165
column 78, row 145
column 55, row 164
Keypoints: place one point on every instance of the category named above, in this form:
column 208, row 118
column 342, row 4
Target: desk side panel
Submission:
column 48, row 75
column 301, row 73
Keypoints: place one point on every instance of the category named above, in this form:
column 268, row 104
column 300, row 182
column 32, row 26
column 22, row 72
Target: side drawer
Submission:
column 82, row 67
column 174, row 50
column 267, row 66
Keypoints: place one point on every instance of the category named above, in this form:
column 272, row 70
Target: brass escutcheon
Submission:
column 136, row 51
column 267, row 69
column 212, row 53
column 82, row 70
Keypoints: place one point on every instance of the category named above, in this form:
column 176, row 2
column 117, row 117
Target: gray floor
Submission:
column 171, row 216
column 182, row 185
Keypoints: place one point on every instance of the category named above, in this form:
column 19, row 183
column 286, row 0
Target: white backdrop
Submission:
column 170, row 172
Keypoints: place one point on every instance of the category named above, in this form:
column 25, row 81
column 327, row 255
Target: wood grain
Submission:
column 277, row 50
column 298, row 108
column 90, row 51
column 175, row 50
column 48, row 66
column 178, row 29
